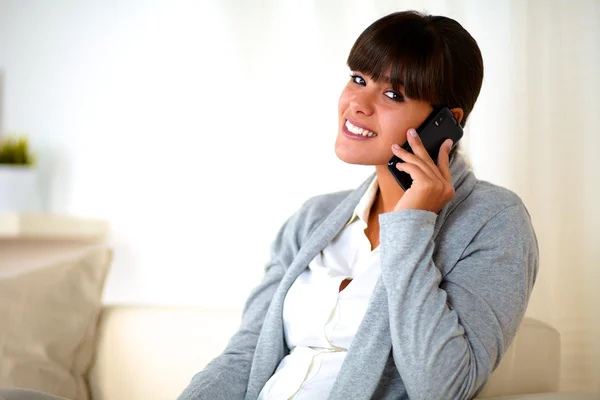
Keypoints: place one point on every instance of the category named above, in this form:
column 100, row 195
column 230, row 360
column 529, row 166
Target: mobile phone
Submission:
column 439, row 126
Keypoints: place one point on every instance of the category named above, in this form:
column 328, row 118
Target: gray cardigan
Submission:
column 453, row 290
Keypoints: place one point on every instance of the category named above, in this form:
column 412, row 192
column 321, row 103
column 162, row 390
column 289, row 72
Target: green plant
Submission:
column 14, row 150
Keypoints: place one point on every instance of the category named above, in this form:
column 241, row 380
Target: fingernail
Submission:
column 413, row 133
column 396, row 147
column 450, row 143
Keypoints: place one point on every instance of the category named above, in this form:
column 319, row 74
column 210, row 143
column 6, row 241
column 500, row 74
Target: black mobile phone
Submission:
column 439, row 126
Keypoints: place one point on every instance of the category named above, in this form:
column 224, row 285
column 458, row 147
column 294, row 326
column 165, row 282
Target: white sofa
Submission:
column 152, row 352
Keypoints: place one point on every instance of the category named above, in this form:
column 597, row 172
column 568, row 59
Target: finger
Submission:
column 427, row 164
column 418, row 148
column 444, row 160
column 416, row 172
column 410, row 158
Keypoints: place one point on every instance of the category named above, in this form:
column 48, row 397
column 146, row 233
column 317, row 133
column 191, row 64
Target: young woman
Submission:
column 380, row 293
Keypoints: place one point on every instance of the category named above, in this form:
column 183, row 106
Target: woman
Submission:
column 380, row 293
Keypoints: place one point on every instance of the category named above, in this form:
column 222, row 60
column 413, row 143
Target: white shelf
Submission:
column 51, row 227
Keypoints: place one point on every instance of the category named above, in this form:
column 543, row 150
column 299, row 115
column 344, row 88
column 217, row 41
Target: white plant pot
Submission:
column 18, row 189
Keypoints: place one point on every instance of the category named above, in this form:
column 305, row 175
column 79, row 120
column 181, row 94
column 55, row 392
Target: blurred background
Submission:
column 192, row 125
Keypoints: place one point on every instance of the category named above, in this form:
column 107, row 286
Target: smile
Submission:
column 355, row 130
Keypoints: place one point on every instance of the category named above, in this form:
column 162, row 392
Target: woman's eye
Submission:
column 394, row 95
column 358, row 80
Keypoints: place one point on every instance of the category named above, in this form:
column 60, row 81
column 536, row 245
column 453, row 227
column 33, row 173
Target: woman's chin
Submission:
column 351, row 157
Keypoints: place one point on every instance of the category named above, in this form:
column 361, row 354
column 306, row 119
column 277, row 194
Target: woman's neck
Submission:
column 389, row 193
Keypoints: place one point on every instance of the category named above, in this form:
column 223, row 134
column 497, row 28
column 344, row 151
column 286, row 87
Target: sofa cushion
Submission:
column 48, row 320
column 531, row 364
column 151, row 353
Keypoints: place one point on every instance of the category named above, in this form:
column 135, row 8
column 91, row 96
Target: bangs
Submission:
column 407, row 52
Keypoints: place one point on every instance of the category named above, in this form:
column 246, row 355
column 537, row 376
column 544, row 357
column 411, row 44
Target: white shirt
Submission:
column 320, row 321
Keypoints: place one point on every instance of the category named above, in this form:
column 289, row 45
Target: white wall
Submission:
column 196, row 128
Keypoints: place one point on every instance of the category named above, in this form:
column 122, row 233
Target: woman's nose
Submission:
column 362, row 103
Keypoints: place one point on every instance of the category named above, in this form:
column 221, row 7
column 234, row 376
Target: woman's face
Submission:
column 377, row 108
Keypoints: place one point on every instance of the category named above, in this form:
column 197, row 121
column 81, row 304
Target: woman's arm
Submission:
column 226, row 377
column 448, row 335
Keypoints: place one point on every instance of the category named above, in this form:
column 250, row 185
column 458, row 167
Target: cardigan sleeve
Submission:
column 226, row 377
column 449, row 333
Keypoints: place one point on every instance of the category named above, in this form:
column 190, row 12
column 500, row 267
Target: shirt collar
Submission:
column 363, row 208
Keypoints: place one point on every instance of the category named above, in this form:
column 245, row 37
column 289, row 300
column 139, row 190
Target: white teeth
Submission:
column 359, row 131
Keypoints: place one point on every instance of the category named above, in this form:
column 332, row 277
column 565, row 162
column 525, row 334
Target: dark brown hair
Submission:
column 433, row 57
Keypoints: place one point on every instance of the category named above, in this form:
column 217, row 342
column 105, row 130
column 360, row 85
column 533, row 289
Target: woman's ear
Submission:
column 458, row 113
